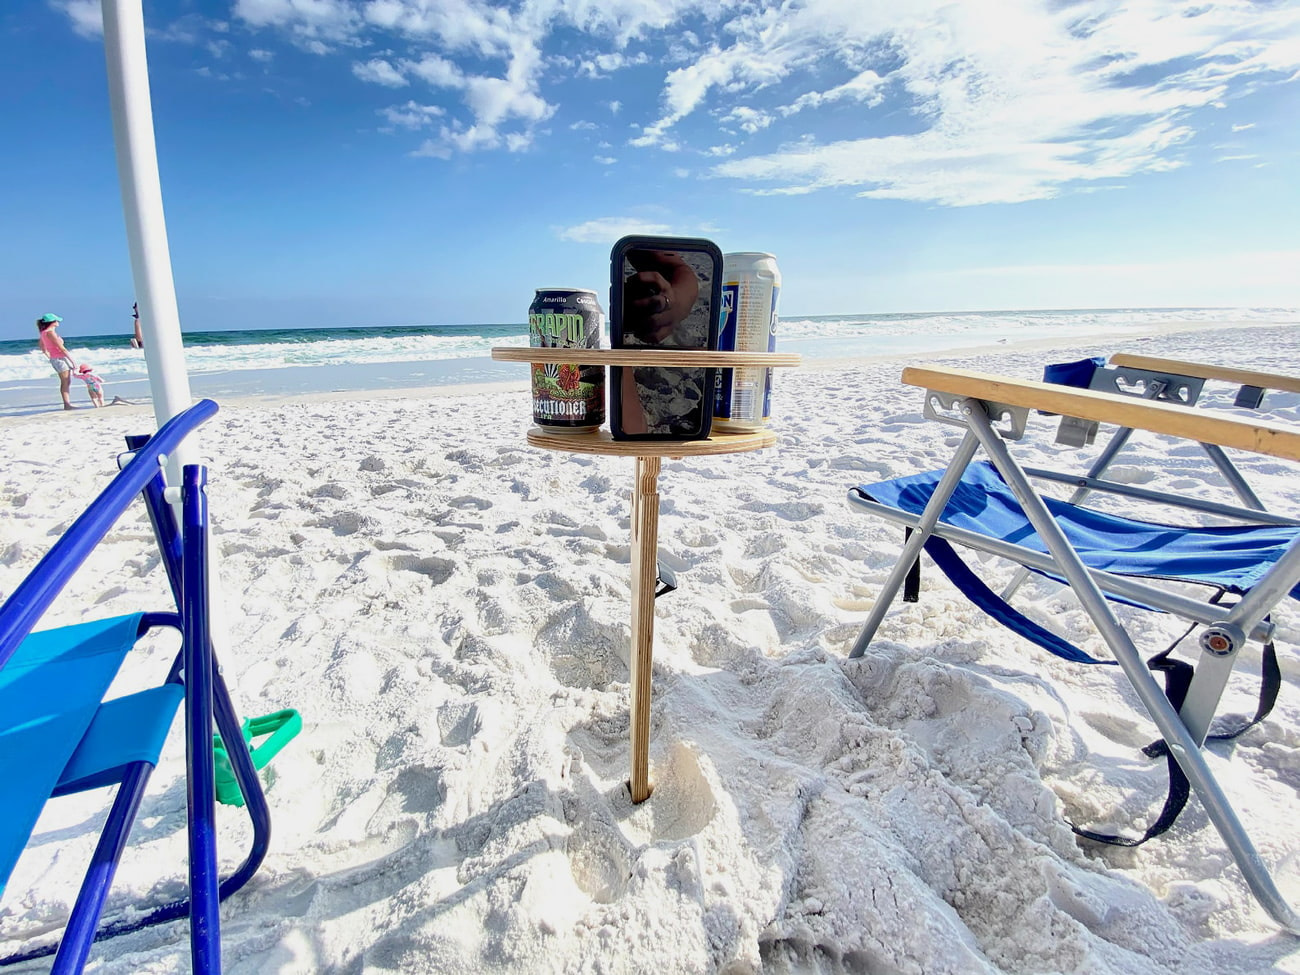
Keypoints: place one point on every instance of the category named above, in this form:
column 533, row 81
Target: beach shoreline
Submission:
column 1107, row 340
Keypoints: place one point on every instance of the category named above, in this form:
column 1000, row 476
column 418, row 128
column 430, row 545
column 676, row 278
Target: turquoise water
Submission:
column 292, row 361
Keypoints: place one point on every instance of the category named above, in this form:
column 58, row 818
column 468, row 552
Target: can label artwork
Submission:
column 567, row 397
column 751, row 287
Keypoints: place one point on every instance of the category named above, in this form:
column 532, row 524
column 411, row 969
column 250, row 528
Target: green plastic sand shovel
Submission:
column 280, row 726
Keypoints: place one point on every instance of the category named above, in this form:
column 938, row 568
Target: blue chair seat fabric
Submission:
column 50, row 691
column 1232, row 557
column 124, row 730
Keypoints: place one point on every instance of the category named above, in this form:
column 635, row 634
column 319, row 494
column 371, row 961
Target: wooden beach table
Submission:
column 645, row 496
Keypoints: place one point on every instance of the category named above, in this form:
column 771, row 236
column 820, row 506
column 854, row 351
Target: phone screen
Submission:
column 664, row 294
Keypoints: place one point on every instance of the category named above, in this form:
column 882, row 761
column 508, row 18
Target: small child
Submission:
column 94, row 385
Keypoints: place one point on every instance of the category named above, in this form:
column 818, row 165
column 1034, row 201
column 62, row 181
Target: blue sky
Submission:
column 370, row 162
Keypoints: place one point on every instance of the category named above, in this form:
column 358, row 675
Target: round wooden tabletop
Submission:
column 601, row 442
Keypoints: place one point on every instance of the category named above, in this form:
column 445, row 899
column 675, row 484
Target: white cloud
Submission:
column 866, row 87
column 257, row 54
column 87, row 16
column 512, row 100
column 316, row 25
column 496, row 99
column 748, row 119
column 437, row 71
column 733, row 68
column 605, row 160
column 379, row 72
column 606, row 230
column 605, row 64
column 460, row 25
column 951, row 103
column 582, row 126
column 1048, row 99
column 412, row 115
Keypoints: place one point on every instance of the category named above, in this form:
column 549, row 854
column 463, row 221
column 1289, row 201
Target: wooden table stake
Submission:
column 645, row 573
column 645, row 501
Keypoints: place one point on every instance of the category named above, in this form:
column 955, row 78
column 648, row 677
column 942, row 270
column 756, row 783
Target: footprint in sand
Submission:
column 600, row 861
column 344, row 523
column 696, row 536
column 853, row 462
column 468, row 501
column 438, row 570
column 581, row 652
column 766, row 543
column 789, row 510
column 1119, row 728
column 457, row 723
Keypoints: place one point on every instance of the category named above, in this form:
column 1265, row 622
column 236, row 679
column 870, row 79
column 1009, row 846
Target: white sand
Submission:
column 448, row 608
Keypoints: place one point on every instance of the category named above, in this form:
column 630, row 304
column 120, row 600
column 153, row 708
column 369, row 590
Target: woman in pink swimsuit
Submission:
column 60, row 357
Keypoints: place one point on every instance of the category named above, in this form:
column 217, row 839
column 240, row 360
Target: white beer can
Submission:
column 751, row 286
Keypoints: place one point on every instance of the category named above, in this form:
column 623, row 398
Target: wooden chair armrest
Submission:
column 1204, row 426
column 1201, row 370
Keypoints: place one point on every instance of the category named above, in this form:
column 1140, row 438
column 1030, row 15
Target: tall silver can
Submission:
column 567, row 397
column 751, row 288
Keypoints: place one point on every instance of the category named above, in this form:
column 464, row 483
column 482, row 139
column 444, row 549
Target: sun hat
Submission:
column 48, row 319
column 84, row 367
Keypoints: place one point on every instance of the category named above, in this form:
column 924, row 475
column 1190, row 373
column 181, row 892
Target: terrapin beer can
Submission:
column 751, row 285
column 567, row 398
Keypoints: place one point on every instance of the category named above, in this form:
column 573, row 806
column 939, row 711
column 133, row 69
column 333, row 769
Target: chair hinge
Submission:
column 948, row 408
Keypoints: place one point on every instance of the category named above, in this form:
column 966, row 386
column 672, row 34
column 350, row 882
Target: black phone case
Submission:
column 700, row 431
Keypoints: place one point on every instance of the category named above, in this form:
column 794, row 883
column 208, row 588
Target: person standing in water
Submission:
column 59, row 356
column 137, row 341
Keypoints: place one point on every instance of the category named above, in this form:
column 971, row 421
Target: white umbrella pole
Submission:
column 146, row 229
column 146, row 238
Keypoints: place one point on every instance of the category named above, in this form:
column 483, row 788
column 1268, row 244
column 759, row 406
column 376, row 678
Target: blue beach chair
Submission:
column 994, row 508
column 59, row 735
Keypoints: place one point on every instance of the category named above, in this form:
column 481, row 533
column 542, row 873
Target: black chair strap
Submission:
column 1178, row 679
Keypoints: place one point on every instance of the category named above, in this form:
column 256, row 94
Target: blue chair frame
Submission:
column 206, row 699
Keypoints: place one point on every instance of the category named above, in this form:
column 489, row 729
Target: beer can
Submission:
column 567, row 397
column 751, row 286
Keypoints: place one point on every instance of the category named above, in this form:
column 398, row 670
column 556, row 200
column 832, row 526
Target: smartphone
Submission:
column 664, row 293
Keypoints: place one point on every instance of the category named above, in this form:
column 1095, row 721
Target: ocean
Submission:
column 280, row 362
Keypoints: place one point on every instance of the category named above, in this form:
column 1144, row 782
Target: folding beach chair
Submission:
column 992, row 507
column 1166, row 381
column 58, row 733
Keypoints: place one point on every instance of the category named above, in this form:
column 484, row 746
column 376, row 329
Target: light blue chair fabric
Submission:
column 50, row 691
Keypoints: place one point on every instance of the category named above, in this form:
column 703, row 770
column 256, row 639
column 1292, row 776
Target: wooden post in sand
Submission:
column 645, row 562
column 645, row 499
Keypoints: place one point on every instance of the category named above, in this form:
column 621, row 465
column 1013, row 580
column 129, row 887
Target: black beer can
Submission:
column 567, row 398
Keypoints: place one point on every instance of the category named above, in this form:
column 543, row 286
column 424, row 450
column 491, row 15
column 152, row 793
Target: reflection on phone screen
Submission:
column 666, row 303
